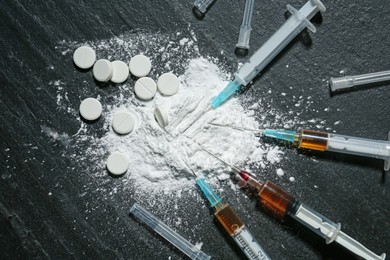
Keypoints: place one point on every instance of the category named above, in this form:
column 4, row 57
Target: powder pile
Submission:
column 160, row 158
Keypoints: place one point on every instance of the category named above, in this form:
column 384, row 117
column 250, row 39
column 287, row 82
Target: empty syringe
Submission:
column 169, row 234
column 272, row 47
column 281, row 204
column 322, row 141
column 232, row 223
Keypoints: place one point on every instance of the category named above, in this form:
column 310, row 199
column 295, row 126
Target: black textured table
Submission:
column 43, row 215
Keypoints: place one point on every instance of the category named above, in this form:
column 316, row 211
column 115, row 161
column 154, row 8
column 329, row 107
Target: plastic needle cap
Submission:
column 228, row 91
column 212, row 197
column 286, row 135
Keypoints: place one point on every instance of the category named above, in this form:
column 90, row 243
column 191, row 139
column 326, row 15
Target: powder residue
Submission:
column 161, row 160
column 279, row 172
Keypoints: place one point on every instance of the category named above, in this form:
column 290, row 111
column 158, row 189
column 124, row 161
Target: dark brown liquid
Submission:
column 275, row 199
column 229, row 219
column 314, row 140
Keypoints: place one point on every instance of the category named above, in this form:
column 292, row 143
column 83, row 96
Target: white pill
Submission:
column 168, row 84
column 102, row 70
column 90, row 109
column 140, row 66
column 145, row 88
column 84, row 57
column 161, row 116
column 120, row 71
column 117, row 163
column 123, row 122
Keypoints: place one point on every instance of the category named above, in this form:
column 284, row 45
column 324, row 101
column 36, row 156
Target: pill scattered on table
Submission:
column 102, row 70
column 168, row 84
column 140, row 66
column 90, row 109
column 123, row 122
column 117, row 163
column 161, row 116
column 145, row 88
column 120, row 71
column 84, row 57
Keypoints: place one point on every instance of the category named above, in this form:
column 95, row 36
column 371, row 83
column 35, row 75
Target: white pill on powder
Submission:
column 168, row 84
column 120, row 71
column 161, row 116
column 90, row 109
column 84, row 57
column 145, row 88
column 117, row 163
column 140, row 66
column 123, row 122
column 102, row 70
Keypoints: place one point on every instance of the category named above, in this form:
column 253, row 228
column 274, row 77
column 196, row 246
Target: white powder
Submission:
column 280, row 172
column 158, row 157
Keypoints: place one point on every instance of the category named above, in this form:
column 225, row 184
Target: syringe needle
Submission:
column 235, row 169
column 246, row 177
column 257, row 131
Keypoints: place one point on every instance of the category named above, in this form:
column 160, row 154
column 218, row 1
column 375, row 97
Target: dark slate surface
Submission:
column 353, row 36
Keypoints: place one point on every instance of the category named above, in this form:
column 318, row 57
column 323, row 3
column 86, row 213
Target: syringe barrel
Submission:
column 203, row 5
column 313, row 140
column 169, row 234
column 276, row 200
column 234, row 226
column 316, row 222
column 272, row 47
column 245, row 29
column 364, row 79
column 359, row 146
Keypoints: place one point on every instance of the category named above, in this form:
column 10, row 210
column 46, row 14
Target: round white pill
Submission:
column 123, row 122
column 161, row 116
column 145, row 88
column 120, row 71
column 117, row 163
column 102, row 70
column 168, row 84
column 140, row 66
column 84, row 57
column 90, row 109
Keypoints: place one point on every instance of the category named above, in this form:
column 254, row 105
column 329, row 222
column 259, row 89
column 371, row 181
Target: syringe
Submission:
column 169, row 234
column 263, row 56
column 364, row 79
column 201, row 7
column 242, row 45
column 322, row 141
column 232, row 223
column 281, row 204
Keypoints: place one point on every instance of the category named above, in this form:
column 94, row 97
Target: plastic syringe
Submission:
column 364, row 79
column 322, row 141
column 245, row 29
column 232, row 223
column 263, row 56
column 169, row 234
column 281, row 204
column 201, row 7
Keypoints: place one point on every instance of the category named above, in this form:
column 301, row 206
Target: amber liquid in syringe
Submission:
column 313, row 140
